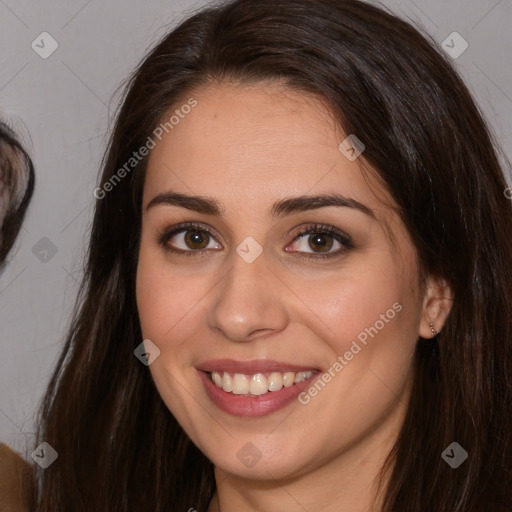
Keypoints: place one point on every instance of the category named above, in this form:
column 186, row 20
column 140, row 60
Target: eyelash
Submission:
column 315, row 229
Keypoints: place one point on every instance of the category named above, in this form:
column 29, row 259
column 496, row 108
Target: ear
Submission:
column 437, row 305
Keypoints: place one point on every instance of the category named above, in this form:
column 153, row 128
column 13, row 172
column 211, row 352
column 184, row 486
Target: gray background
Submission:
column 63, row 104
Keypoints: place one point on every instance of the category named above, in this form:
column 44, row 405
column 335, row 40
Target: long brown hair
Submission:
column 120, row 448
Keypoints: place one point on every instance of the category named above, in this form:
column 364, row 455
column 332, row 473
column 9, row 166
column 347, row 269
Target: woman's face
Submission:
column 253, row 304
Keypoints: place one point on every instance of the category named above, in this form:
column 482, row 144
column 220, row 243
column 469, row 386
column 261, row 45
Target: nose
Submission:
column 249, row 301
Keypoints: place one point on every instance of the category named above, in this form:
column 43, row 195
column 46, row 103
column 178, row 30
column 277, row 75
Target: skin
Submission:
column 247, row 147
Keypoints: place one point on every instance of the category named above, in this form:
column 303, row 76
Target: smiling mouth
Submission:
column 257, row 384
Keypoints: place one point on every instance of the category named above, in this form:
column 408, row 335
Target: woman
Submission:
column 16, row 189
column 297, row 294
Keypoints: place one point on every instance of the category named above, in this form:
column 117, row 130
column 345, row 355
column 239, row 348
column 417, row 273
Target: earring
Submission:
column 434, row 332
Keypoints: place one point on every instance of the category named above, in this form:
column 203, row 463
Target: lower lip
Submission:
column 253, row 407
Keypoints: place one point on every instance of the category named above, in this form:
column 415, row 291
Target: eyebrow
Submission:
column 281, row 208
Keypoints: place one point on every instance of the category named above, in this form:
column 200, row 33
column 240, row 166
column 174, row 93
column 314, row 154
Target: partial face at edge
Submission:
column 305, row 301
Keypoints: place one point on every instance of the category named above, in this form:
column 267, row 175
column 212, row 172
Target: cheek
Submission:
column 368, row 317
column 165, row 305
column 163, row 300
column 352, row 301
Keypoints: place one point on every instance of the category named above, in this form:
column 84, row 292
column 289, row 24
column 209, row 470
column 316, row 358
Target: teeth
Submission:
column 217, row 379
column 227, row 382
column 257, row 384
column 288, row 379
column 240, row 384
column 275, row 381
column 300, row 376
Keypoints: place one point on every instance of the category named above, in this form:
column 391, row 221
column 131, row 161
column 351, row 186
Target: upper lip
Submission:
column 250, row 367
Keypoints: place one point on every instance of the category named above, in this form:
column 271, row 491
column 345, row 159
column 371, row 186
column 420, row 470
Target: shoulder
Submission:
column 16, row 480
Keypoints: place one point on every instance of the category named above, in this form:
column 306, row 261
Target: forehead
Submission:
column 258, row 143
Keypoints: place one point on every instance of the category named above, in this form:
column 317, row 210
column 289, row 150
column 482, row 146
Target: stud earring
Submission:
column 434, row 332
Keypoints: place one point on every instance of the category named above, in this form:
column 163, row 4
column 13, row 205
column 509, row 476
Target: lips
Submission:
column 254, row 388
column 251, row 367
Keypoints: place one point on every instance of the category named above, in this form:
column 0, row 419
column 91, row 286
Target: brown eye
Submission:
column 196, row 239
column 188, row 239
column 320, row 239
